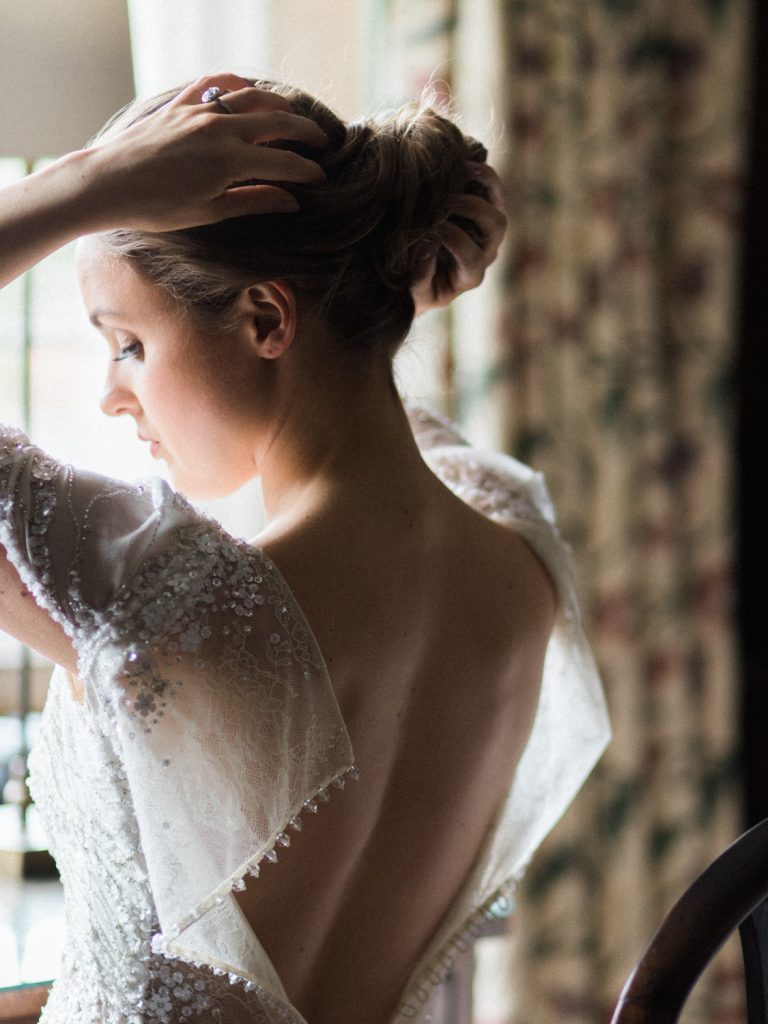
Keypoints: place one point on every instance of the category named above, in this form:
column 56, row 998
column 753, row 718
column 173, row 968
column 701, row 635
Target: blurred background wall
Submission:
column 609, row 363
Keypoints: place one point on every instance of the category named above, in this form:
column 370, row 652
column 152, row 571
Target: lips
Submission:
column 154, row 446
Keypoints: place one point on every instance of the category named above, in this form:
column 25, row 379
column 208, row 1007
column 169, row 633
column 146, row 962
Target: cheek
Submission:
column 225, row 378
column 235, row 385
column 214, row 435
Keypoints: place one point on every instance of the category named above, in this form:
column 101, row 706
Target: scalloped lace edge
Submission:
column 252, row 867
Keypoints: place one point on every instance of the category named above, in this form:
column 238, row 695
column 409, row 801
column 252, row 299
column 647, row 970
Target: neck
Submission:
column 338, row 431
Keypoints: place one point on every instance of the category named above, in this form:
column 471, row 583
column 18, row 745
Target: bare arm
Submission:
column 39, row 214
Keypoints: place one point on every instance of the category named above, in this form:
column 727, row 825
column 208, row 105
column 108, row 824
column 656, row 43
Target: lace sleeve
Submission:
column 430, row 429
column 199, row 667
column 73, row 537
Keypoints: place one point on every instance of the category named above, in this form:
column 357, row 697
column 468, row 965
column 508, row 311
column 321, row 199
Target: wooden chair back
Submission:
column 728, row 894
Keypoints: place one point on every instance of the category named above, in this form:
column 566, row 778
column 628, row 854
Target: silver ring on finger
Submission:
column 213, row 95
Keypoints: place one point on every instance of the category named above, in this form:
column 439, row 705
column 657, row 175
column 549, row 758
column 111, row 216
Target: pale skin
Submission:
column 433, row 621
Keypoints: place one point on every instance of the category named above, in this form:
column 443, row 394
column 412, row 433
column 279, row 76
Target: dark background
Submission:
column 752, row 439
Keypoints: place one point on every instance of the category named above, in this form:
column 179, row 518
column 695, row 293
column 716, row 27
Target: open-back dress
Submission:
column 209, row 728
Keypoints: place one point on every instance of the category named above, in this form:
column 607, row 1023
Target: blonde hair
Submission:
column 358, row 240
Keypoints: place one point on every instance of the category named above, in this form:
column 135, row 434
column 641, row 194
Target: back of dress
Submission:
column 434, row 623
column 201, row 671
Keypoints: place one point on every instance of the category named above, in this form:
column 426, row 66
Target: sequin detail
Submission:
column 108, row 904
column 108, row 900
column 28, row 494
column 176, row 605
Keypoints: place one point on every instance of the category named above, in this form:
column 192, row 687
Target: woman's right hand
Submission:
column 180, row 165
column 439, row 281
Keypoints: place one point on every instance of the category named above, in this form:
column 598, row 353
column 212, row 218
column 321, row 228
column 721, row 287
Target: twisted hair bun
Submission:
column 358, row 240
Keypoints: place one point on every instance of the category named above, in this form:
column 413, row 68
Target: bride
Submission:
column 286, row 780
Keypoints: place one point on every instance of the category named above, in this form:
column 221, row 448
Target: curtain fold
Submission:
column 601, row 352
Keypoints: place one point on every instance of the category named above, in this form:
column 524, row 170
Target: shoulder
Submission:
column 507, row 578
column 507, row 514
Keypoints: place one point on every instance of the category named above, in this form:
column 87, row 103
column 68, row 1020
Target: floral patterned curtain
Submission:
column 601, row 352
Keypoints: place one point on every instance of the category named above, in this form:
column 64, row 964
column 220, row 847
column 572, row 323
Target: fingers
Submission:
column 280, row 125
column 471, row 261
column 247, row 200
column 425, row 269
column 488, row 177
column 260, row 116
column 268, row 164
column 249, row 98
column 266, row 116
column 472, row 244
column 491, row 222
column 242, row 97
column 231, row 85
column 474, row 257
column 423, row 291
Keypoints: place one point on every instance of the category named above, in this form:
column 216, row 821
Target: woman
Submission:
column 212, row 694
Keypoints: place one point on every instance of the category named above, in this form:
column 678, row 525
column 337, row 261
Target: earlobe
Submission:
column 271, row 308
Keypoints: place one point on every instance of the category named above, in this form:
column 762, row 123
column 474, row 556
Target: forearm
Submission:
column 22, row 618
column 44, row 211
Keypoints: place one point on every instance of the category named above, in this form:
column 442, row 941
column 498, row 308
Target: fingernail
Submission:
column 474, row 168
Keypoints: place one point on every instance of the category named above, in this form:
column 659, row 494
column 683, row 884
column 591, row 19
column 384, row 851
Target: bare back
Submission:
column 433, row 622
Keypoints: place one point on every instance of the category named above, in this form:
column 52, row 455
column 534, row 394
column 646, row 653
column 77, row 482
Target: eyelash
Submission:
column 128, row 352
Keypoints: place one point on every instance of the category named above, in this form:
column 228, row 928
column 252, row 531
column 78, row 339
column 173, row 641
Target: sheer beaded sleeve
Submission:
column 74, row 538
column 571, row 727
column 199, row 667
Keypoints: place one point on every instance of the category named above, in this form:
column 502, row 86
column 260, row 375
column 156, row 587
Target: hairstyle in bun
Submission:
column 358, row 240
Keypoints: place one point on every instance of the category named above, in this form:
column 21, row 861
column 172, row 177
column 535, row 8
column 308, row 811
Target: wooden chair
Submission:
column 731, row 893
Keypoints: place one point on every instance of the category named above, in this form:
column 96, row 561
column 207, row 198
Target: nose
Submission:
column 116, row 398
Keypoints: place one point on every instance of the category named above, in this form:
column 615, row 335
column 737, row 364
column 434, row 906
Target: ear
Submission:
column 269, row 310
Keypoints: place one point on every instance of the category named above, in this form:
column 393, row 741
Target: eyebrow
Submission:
column 98, row 316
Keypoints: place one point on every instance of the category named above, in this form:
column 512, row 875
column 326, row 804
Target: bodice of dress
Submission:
column 210, row 727
column 109, row 971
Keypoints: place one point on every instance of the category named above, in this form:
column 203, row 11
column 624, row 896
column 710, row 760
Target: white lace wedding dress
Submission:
column 210, row 727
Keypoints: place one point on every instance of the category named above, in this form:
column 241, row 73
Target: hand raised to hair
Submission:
column 463, row 256
column 180, row 166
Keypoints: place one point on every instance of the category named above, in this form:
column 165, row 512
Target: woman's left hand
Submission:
column 434, row 287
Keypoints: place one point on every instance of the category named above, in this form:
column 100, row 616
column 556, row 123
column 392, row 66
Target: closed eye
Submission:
column 134, row 349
